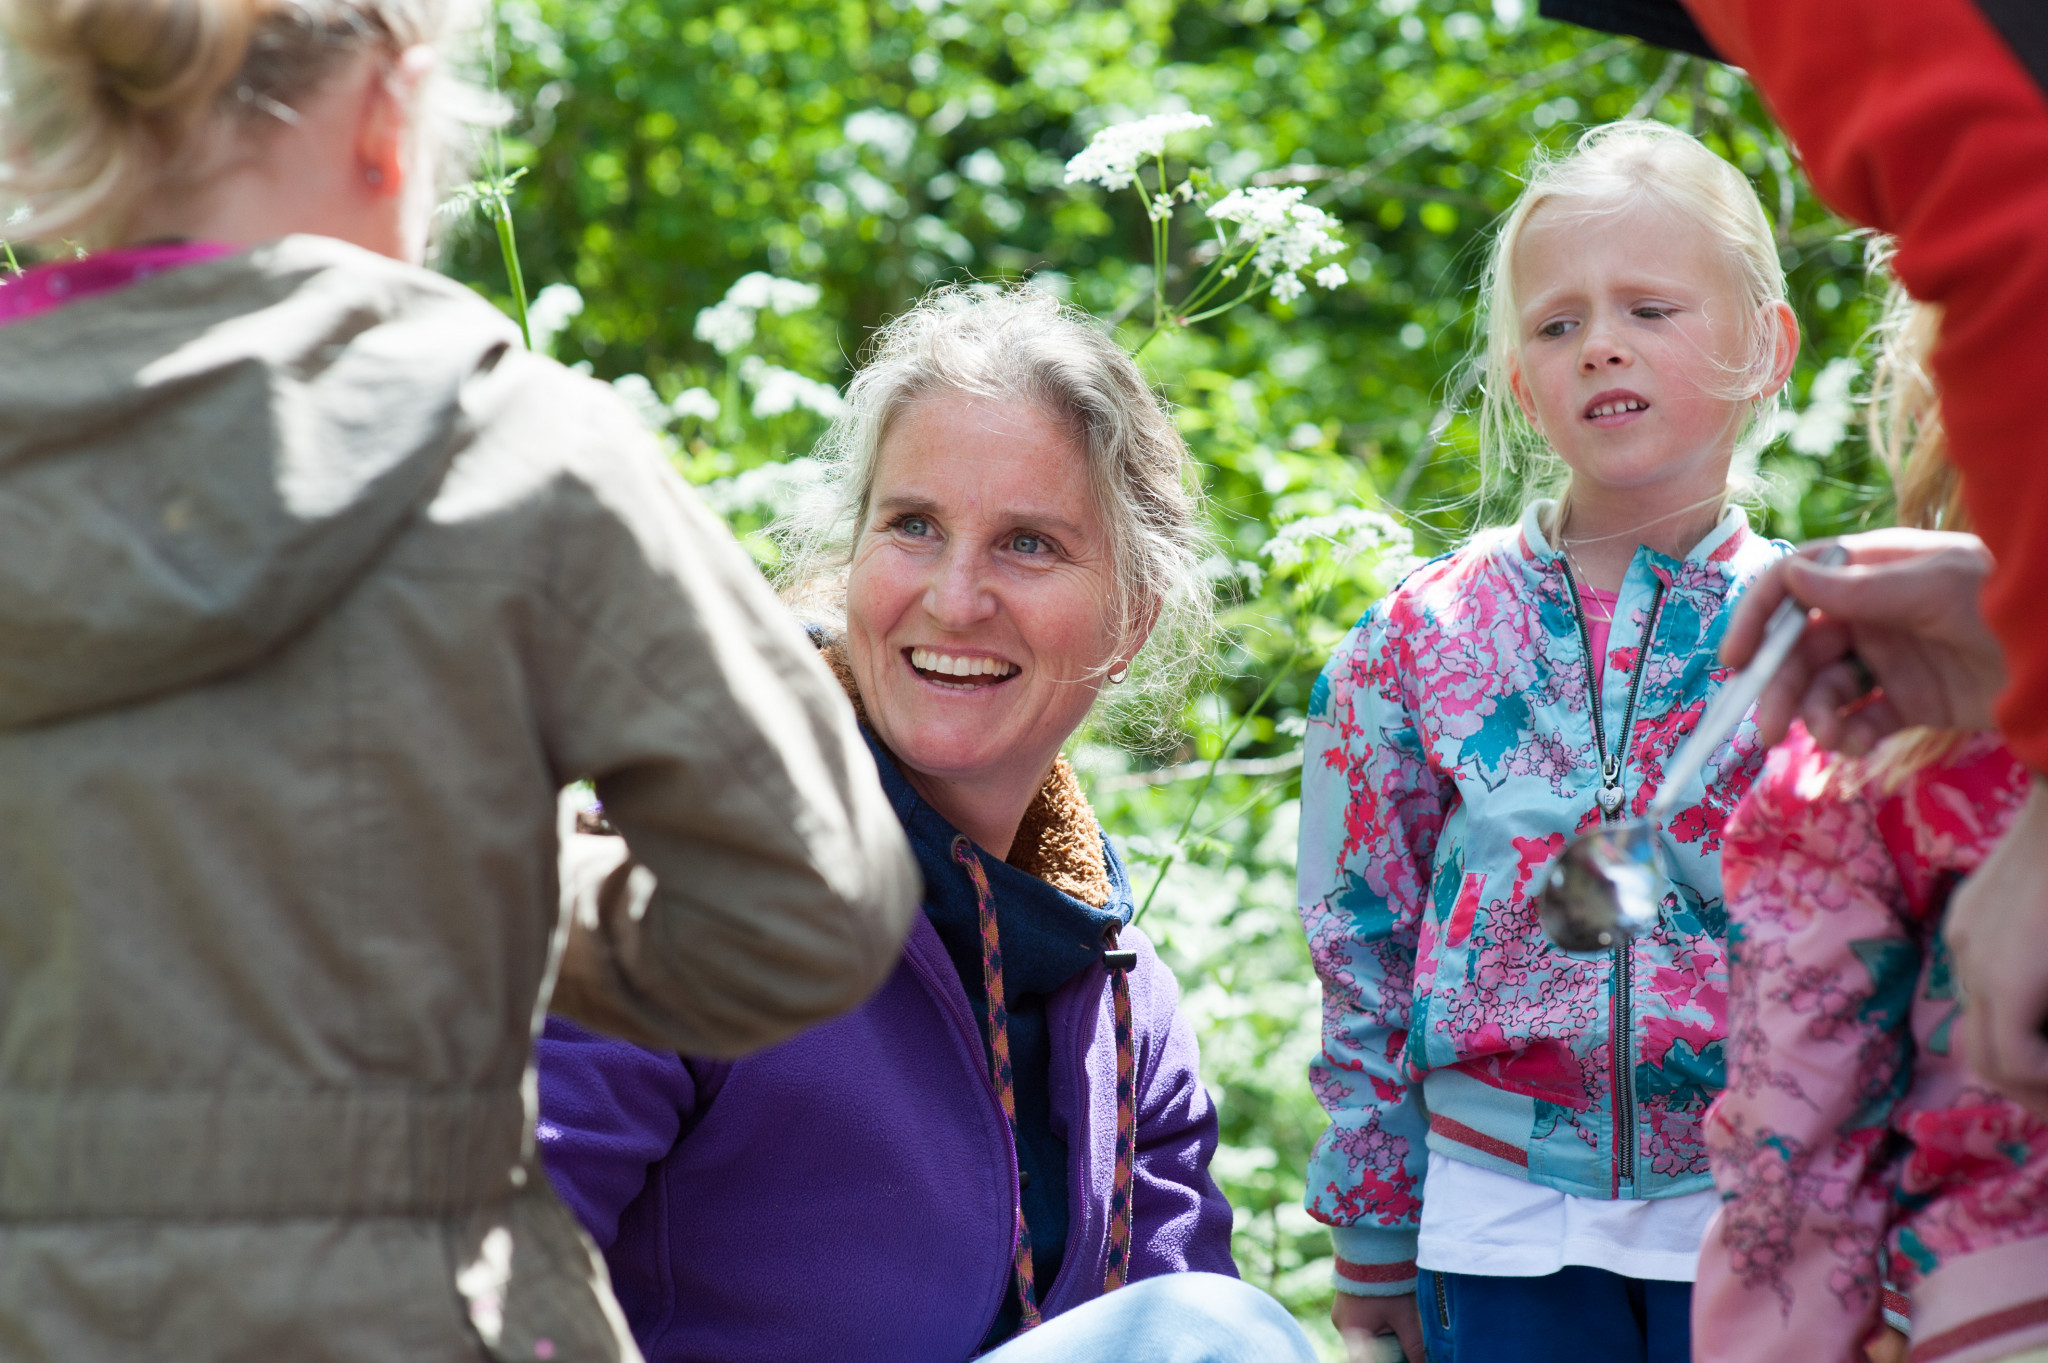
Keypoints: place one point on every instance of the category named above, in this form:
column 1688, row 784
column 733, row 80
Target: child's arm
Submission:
column 1822, row 975
column 1371, row 809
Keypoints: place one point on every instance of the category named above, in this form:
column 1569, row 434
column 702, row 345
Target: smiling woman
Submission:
column 1032, row 373
column 1013, row 1128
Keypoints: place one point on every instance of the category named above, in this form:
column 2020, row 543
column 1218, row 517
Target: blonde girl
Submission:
column 1873, row 1184
column 1515, row 1131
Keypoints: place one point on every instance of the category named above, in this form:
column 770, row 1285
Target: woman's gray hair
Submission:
column 1019, row 344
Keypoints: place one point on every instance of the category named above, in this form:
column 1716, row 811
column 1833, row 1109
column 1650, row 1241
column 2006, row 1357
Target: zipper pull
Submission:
column 1610, row 784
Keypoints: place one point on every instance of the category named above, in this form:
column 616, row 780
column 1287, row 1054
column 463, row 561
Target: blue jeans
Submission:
column 1174, row 1318
column 1570, row 1316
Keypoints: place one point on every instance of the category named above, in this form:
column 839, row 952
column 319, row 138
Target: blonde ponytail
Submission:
column 1904, row 425
column 105, row 101
column 105, row 93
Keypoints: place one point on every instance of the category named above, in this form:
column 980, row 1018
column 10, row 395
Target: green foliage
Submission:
column 674, row 148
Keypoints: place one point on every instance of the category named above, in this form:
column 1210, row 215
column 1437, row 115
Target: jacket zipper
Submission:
column 1622, row 1042
column 1443, row 1302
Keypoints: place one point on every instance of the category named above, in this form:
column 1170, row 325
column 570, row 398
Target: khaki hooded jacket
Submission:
column 315, row 591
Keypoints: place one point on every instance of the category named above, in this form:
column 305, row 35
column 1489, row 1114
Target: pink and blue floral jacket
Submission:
column 1852, row 1138
column 1451, row 752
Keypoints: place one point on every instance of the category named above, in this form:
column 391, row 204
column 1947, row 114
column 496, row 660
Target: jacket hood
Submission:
column 195, row 467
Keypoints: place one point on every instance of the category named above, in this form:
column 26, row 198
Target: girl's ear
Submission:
column 1519, row 386
column 1782, row 326
column 385, row 124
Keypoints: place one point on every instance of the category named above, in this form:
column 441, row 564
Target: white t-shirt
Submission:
column 1478, row 1221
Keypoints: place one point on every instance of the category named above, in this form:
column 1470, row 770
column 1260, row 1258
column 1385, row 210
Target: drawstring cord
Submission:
column 999, row 1051
column 1119, row 963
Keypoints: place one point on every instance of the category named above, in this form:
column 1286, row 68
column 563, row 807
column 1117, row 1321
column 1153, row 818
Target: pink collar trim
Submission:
column 48, row 287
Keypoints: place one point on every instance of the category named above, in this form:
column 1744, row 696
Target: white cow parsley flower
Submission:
column 725, row 326
column 696, row 402
column 640, row 395
column 778, row 390
column 1287, row 233
column 1341, row 536
column 729, row 323
column 1287, row 287
column 549, row 313
column 1332, row 277
column 1113, row 155
column 760, row 292
column 776, row 488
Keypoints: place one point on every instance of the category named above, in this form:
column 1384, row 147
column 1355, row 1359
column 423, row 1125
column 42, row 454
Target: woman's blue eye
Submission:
column 914, row 525
column 1027, row 544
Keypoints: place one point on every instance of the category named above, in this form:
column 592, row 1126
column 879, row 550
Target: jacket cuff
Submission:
column 1372, row 1262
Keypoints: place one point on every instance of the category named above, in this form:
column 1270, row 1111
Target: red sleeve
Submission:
column 1915, row 117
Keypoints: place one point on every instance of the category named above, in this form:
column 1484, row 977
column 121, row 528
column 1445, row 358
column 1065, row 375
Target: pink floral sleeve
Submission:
column 1849, row 1130
column 1821, row 971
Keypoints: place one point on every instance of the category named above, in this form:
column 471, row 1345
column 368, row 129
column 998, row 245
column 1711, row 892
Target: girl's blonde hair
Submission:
column 1021, row 345
column 105, row 102
column 1612, row 169
column 1904, row 424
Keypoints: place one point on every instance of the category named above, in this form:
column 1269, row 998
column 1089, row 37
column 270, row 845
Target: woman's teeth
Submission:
column 1617, row 408
column 925, row 660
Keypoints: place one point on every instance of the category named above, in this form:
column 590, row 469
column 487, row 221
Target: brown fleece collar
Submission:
column 1059, row 840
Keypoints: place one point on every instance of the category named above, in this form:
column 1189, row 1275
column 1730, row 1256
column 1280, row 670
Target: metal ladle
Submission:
column 1603, row 887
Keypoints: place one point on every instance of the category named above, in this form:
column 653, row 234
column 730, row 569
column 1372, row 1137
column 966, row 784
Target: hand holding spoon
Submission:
column 1603, row 887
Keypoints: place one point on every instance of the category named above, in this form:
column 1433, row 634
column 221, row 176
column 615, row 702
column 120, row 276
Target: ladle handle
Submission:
column 1782, row 631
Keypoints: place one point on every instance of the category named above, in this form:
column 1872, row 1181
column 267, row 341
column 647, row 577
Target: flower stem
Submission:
column 1247, row 296
column 1212, row 283
column 1160, row 227
column 1209, row 776
column 12, row 263
column 501, row 206
column 508, row 246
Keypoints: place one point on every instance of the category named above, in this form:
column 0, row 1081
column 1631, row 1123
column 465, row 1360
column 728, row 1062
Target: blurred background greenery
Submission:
column 869, row 149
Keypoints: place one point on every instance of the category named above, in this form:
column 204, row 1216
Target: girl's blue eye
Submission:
column 1553, row 329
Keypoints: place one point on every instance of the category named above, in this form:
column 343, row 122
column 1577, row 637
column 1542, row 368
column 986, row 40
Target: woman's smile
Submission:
column 960, row 672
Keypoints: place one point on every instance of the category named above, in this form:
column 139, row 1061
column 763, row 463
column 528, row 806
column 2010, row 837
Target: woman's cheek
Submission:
column 1071, row 628
column 877, row 585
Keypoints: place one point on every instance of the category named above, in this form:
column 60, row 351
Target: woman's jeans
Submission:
column 1174, row 1318
column 1572, row 1316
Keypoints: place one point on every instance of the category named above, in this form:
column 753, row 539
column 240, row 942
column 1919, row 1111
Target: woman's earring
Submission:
column 1119, row 674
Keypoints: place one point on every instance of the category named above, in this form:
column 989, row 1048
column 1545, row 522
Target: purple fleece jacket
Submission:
column 849, row 1194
